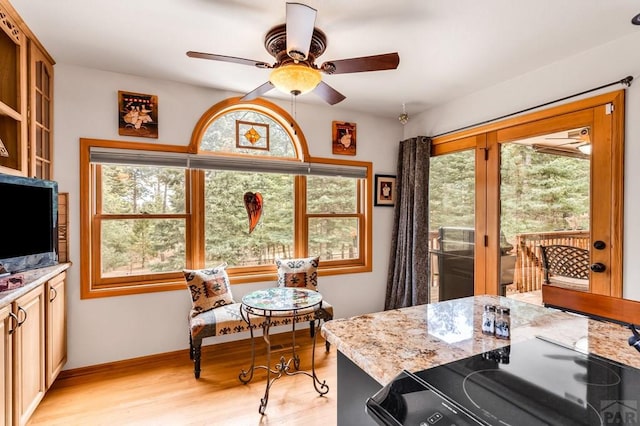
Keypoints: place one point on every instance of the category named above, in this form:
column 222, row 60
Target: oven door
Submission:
column 407, row 400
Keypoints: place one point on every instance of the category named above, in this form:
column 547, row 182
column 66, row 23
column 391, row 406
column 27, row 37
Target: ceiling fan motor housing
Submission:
column 276, row 44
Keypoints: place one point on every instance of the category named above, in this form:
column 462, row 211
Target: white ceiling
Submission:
column 447, row 48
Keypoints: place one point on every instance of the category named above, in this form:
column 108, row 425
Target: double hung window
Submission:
column 149, row 211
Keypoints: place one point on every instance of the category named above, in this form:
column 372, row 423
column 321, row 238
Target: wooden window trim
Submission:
column 122, row 285
column 94, row 287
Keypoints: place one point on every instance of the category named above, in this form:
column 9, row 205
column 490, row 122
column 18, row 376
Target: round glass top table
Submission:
column 257, row 310
column 281, row 300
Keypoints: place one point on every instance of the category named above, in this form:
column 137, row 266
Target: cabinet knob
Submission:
column 598, row 267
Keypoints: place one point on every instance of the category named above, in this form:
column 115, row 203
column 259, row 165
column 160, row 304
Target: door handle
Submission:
column 598, row 267
column 21, row 309
column 16, row 322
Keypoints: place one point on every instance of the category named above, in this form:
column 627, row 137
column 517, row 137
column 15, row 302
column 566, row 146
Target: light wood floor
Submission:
column 161, row 390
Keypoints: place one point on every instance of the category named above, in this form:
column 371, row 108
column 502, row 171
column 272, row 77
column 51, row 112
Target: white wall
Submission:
column 116, row 328
column 110, row 329
column 594, row 68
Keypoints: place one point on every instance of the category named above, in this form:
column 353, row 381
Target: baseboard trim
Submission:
column 158, row 358
column 126, row 363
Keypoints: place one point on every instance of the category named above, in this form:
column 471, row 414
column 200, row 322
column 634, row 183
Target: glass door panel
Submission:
column 545, row 212
column 452, row 188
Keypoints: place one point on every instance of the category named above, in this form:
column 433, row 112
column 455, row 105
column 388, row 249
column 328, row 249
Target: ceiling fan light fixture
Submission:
column 295, row 79
column 585, row 149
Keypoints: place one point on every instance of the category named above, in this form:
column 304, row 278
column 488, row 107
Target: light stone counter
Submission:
column 383, row 344
column 32, row 279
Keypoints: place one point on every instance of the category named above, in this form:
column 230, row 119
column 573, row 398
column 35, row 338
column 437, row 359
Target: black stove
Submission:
column 535, row 382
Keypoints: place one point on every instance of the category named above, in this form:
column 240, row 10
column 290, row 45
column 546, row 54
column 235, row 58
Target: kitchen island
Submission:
column 374, row 348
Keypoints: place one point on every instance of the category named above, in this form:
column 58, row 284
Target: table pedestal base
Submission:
column 284, row 366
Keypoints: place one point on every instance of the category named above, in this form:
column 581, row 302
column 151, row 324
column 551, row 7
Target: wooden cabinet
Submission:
column 56, row 335
column 29, row 384
column 33, row 348
column 13, row 94
column 40, row 112
column 26, row 99
column 7, row 323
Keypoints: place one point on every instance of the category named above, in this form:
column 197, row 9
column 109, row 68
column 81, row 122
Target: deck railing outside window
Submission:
column 529, row 275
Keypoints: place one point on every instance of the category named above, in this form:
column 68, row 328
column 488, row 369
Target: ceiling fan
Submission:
column 578, row 136
column 579, row 144
column 296, row 45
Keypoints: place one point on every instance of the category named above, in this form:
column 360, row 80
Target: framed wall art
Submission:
column 344, row 138
column 137, row 115
column 385, row 190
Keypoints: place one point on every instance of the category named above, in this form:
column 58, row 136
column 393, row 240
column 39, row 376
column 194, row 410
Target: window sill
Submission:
column 127, row 289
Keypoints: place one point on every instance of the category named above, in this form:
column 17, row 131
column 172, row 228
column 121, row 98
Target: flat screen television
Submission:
column 28, row 223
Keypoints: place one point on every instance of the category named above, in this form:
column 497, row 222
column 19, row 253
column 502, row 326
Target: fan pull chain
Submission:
column 293, row 113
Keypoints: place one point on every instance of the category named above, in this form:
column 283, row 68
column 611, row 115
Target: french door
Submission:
column 537, row 184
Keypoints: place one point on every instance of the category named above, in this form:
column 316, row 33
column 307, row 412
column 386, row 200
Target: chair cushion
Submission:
column 210, row 288
column 228, row 320
column 215, row 322
column 570, row 283
column 301, row 272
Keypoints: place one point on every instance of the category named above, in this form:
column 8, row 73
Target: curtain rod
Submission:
column 625, row 81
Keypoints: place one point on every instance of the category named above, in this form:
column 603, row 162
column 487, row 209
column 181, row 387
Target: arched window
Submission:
column 249, row 133
column 256, row 128
column 244, row 192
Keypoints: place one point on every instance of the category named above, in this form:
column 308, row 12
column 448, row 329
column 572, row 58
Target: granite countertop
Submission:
column 32, row 279
column 419, row 337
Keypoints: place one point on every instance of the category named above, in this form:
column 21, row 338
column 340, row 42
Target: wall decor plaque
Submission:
column 137, row 115
column 344, row 138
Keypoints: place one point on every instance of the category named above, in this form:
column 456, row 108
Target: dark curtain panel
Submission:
column 408, row 277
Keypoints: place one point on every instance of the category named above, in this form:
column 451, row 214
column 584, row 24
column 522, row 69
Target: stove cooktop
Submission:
column 536, row 382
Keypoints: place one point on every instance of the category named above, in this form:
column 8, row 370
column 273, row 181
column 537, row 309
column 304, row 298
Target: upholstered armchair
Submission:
column 214, row 312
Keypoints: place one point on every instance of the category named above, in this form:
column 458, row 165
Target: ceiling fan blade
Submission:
column 300, row 22
column 563, row 139
column 258, row 91
column 223, row 58
column 571, row 143
column 387, row 61
column 328, row 93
